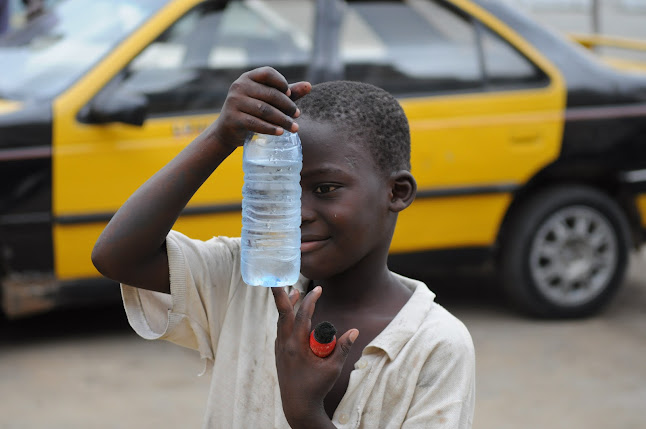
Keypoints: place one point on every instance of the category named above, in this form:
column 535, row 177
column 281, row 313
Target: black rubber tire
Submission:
column 515, row 265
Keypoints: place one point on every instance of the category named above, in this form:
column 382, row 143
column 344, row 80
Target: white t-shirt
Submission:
column 419, row 372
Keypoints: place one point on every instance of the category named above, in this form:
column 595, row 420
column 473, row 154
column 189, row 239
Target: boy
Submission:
column 413, row 364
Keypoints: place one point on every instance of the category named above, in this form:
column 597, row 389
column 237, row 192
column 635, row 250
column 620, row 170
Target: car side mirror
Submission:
column 120, row 106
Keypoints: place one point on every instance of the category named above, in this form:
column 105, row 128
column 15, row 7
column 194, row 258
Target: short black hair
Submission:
column 368, row 114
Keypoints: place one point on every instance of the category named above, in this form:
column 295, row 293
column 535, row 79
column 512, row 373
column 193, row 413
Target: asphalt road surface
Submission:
column 85, row 369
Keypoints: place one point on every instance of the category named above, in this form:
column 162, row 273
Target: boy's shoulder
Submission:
column 215, row 258
column 446, row 329
column 219, row 244
column 214, row 240
column 437, row 328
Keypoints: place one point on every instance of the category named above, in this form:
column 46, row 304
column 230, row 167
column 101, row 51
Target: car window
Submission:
column 51, row 52
column 409, row 47
column 191, row 65
column 505, row 66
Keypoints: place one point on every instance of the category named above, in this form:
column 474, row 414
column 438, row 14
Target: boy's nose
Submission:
column 307, row 214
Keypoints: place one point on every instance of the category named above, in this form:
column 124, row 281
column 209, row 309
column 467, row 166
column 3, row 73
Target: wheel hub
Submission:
column 573, row 255
column 578, row 260
column 577, row 270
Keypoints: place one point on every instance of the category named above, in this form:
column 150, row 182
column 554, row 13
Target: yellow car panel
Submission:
column 449, row 223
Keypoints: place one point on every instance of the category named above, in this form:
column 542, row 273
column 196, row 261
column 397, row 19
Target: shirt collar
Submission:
column 409, row 319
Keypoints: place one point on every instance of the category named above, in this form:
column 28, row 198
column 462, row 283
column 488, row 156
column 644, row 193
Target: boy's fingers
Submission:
column 283, row 303
column 285, row 312
column 257, row 125
column 267, row 112
column 293, row 296
column 303, row 318
column 344, row 344
column 270, row 77
column 299, row 89
column 273, row 97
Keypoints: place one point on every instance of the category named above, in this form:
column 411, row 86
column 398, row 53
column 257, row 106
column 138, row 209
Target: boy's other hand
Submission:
column 259, row 101
column 305, row 379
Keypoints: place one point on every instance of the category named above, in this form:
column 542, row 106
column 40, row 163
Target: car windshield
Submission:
column 49, row 53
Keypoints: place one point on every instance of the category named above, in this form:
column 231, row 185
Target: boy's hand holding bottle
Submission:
column 259, row 101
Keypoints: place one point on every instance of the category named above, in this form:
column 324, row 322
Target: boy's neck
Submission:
column 359, row 288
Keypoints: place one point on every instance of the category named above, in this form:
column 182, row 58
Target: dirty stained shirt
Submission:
column 419, row 372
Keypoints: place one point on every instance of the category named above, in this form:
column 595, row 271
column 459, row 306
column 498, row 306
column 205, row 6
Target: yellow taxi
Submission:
column 528, row 152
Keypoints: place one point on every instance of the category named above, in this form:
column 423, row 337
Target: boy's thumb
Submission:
column 345, row 342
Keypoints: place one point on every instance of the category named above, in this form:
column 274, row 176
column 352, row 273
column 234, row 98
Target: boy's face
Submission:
column 345, row 214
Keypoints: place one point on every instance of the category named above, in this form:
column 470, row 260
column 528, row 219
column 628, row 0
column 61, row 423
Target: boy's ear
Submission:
column 403, row 189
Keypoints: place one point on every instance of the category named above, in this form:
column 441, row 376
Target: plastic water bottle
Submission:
column 271, row 210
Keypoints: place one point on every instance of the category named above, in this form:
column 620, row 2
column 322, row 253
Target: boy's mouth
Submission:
column 311, row 243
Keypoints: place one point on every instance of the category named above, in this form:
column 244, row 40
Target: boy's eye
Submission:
column 324, row 189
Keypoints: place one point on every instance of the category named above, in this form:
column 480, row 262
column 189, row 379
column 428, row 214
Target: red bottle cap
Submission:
column 323, row 339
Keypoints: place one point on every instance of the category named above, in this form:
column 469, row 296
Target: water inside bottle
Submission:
column 271, row 211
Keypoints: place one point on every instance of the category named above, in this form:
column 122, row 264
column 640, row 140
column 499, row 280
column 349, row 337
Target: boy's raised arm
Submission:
column 131, row 249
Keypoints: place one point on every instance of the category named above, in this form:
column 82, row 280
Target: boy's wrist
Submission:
column 218, row 143
column 221, row 136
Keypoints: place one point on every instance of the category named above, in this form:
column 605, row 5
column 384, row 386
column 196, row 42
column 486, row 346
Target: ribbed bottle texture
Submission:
column 271, row 210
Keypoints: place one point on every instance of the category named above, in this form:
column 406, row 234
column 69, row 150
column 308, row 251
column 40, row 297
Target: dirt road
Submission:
column 86, row 369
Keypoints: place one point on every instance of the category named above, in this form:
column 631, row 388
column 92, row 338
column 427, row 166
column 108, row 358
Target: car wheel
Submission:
column 565, row 252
